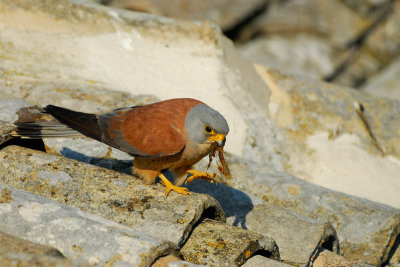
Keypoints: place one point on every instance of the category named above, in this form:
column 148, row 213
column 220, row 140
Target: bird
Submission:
column 173, row 135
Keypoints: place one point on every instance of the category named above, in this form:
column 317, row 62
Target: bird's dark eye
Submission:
column 208, row 129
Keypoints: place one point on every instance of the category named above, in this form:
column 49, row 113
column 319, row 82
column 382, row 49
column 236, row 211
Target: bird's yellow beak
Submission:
column 218, row 139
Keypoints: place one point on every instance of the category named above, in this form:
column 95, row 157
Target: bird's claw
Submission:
column 178, row 189
column 169, row 186
column 200, row 175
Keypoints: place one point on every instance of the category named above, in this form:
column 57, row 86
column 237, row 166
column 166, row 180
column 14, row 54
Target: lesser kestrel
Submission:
column 172, row 134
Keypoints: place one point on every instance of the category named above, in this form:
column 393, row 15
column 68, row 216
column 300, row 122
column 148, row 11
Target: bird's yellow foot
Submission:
column 169, row 186
column 200, row 175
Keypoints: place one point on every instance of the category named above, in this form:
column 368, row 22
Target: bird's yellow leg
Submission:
column 169, row 186
column 200, row 175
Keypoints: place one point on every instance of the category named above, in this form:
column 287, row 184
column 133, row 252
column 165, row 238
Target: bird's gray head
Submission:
column 204, row 125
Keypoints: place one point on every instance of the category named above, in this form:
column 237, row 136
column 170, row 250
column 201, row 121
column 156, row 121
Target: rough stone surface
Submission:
column 163, row 261
column 395, row 257
column 23, row 259
column 183, row 264
column 6, row 130
column 327, row 258
column 215, row 243
column 18, row 252
column 9, row 108
column 257, row 261
column 380, row 47
column 301, row 54
column 299, row 238
column 12, row 244
column 72, row 53
column 77, row 234
column 173, row 261
column 225, row 13
column 386, row 83
column 115, row 196
column 330, row 144
column 367, row 230
column 360, row 39
column 331, row 19
column 367, row 7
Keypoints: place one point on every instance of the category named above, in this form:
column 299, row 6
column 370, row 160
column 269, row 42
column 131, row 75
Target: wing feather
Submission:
column 153, row 130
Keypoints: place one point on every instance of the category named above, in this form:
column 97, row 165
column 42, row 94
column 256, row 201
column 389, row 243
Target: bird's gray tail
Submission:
column 35, row 122
column 85, row 123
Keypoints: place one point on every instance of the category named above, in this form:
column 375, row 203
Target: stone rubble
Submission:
column 18, row 252
column 314, row 165
column 366, row 230
column 115, row 196
column 217, row 244
column 76, row 234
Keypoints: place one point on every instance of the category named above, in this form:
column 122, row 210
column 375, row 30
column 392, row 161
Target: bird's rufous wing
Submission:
column 147, row 131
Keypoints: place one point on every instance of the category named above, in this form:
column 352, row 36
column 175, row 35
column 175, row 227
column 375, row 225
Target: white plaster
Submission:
column 126, row 61
column 342, row 164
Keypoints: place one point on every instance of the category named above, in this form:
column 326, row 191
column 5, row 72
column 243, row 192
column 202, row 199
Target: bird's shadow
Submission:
column 235, row 203
column 124, row 166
